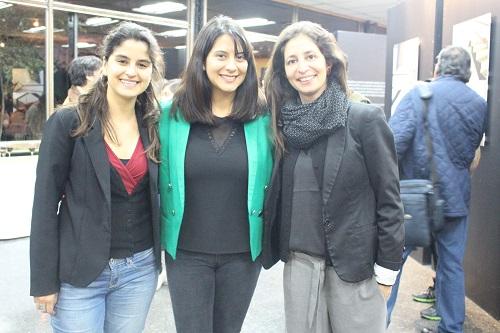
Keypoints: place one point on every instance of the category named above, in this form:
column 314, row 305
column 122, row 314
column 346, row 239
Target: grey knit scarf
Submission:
column 303, row 124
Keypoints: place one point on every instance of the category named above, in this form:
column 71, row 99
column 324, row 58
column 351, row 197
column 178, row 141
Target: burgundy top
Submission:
column 134, row 170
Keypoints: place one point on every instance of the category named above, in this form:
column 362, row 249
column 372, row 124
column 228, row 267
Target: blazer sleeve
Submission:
column 51, row 174
column 381, row 163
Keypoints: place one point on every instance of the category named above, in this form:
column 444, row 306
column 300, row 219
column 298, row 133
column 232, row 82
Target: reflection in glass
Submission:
column 91, row 30
column 22, row 57
column 173, row 9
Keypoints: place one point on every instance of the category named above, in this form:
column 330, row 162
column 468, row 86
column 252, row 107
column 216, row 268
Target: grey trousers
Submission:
column 318, row 301
column 211, row 293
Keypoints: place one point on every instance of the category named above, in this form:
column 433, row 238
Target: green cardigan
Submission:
column 173, row 139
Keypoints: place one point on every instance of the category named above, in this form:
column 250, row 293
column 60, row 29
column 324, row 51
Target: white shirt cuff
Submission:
column 384, row 275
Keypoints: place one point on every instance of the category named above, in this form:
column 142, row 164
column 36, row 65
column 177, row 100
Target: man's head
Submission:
column 83, row 70
column 453, row 61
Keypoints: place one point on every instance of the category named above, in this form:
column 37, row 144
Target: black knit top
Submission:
column 216, row 178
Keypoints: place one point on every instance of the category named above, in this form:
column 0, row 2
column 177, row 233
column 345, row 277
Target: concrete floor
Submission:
column 17, row 313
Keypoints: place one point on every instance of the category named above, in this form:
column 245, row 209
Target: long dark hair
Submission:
column 278, row 89
column 193, row 97
column 94, row 104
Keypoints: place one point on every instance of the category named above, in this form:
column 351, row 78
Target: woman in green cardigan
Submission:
column 216, row 161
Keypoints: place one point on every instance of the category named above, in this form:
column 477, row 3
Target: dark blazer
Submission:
column 72, row 244
column 362, row 211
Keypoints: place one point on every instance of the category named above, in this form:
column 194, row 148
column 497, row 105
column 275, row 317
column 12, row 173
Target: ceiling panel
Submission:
column 373, row 10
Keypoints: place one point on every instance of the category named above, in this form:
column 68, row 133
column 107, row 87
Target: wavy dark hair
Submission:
column 94, row 104
column 193, row 97
column 279, row 91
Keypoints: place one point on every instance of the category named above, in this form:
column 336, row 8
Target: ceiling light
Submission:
column 180, row 47
column 36, row 23
column 173, row 33
column 81, row 45
column 97, row 21
column 4, row 5
column 41, row 28
column 160, row 8
column 34, row 30
column 2, row 44
column 255, row 37
column 254, row 22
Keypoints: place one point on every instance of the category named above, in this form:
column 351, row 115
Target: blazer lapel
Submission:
column 334, row 152
column 97, row 152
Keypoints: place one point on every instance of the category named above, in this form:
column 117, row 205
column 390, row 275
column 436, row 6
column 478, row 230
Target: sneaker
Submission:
column 427, row 330
column 425, row 297
column 430, row 314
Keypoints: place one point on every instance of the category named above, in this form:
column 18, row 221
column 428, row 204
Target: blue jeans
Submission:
column 211, row 293
column 450, row 280
column 117, row 300
column 391, row 301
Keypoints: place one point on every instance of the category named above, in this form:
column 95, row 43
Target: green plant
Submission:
column 18, row 54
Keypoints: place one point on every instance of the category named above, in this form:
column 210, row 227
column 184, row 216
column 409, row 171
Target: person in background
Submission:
column 83, row 72
column 333, row 212
column 35, row 119
column 216, row 162
column 95, row 236
column 457, row 121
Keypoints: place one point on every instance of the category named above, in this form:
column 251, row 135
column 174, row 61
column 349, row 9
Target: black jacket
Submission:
column 72, row 244
column 362, row 210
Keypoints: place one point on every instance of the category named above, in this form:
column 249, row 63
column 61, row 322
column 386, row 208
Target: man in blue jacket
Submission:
column 457, row 117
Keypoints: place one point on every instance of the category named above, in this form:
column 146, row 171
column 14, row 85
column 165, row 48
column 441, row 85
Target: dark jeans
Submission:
column 211, row 293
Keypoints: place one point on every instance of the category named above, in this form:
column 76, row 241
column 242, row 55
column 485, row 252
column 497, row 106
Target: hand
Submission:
column 46, row 304
column 475, row 161
column 385, row 290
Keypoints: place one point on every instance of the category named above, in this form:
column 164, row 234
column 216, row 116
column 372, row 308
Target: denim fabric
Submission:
column 117, row 300
column 450, row 285
column 391, row 301
column 211, row 293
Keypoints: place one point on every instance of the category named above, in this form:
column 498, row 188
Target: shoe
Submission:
column 430, row 314
column 425, row 297
column 427, row 330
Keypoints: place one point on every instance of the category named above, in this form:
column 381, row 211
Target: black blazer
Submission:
column 362, row 210
column 72, row 244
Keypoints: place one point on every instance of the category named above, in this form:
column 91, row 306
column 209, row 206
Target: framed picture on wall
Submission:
column 474, row 35
column 404, row 69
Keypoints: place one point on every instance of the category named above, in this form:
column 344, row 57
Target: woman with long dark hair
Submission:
column 94, row 247
column 333, row 213
column 215, row 164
